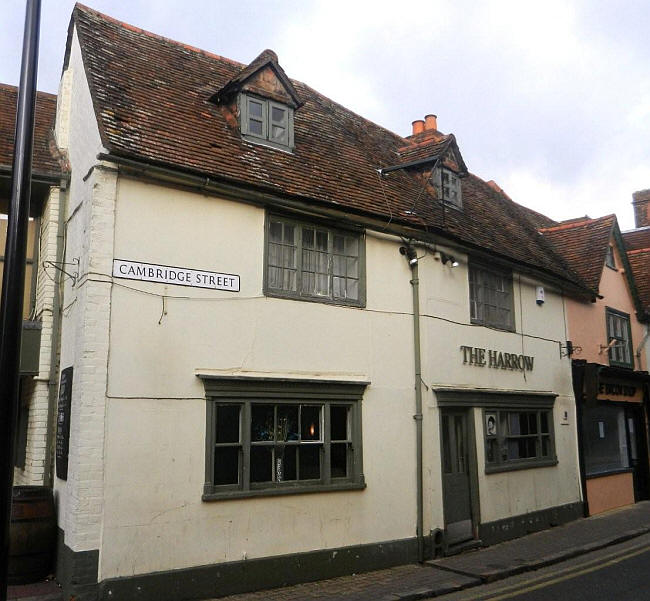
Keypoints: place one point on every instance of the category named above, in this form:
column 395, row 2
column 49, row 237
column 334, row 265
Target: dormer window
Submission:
column 447, row 184
column 264, row 121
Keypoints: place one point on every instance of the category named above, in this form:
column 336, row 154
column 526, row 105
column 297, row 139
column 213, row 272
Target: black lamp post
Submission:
column 11, row 306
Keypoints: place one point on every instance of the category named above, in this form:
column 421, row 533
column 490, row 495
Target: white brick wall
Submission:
column 35, row 392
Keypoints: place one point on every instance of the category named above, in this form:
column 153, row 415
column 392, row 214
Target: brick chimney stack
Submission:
column 418, row 127
column 641, row 204
column 431, row 122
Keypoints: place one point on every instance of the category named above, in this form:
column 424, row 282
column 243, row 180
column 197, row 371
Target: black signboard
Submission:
column 63, row 423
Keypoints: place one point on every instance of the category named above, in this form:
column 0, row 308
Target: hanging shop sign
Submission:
column 617, row 390
column 181, row 276
column 481, row 357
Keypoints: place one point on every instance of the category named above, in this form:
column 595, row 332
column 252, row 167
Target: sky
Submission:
column 549, row 99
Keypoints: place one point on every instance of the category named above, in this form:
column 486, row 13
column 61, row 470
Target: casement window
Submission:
column 490, row 297
column 447, row 184
column 609, row 258
column 282, row 437
column 619, row 336
column 267, row 122
column 605, row 439
column 314, row 262
column 518, row 438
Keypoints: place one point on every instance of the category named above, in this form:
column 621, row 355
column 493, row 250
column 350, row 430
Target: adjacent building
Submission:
column 38, row 362
column 610, row 373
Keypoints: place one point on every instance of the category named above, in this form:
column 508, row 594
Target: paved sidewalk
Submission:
column 438, row 577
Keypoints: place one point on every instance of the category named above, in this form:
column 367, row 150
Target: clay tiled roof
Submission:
column 640, row 264
column 636, row 239
column 152, row 102
column 583, row 243
column 45, row 160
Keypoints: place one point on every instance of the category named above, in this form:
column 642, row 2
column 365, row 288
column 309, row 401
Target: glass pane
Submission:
column 338, row 244
column 352, row 289
column 226, row 465
column 287, row 423
column 275, row 231
column 278, row 133
column 338, row 265
column 353, row 267
column 255, row 109
column 546, row 446
column 446, row 445
column 321, row 240
column 322, row 285
column 261, row 464
column 310, row 422
column 278, row 115
column 338, row 287
column 339, row 423
column 351, row 246
column 255, row 127
column 309, row 462
column 285, row 463
column 339, row 460
column 227, row 423
column 289, row 234
column 262, row 426
column 491, row 450
column 307, row 238
column 544, row 421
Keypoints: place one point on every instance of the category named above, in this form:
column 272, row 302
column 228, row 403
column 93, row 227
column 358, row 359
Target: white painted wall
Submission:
column 86, row 306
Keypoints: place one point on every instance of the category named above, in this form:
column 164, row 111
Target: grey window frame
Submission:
column 246, row 392
column 502, row 465
column 481, row 270
column 298, row 294
column 456, row 203
column 627, row 342
column 267, row 122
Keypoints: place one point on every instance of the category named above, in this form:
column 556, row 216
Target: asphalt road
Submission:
column 618, row 573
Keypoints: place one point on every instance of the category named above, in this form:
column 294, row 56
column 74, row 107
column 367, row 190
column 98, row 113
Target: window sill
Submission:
column 613, row 472
column 522, row 465
column 316, row 299
column 476, row 322
column 282, row 490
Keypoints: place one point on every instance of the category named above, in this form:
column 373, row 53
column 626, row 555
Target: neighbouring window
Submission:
column 518, row 438
column 609, row 258
column 267, row 122
column 605, row 439
column 447, row 183
column 266, row 440
column 314, row 262
column 490, row 297
column 619, row 336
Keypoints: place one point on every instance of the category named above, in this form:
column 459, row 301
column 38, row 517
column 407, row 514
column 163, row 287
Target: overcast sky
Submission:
column 550, row 99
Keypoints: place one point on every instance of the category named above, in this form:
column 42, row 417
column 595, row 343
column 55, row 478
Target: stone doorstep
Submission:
column 38, row 591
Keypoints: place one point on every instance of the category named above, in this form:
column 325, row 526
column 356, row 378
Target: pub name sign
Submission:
column 481, row 357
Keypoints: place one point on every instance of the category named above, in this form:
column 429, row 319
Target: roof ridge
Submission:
column 576, row 224
column 11, row 88
column 136, row 29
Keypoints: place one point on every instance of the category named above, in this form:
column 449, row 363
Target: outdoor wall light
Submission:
column 445, row 258
column 410, row 254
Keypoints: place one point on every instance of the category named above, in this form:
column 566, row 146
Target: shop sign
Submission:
column 181, row 276
column 495, row 359
column 617, row 390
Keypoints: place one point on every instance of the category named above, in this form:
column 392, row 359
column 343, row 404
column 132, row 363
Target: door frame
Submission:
column 472, row 463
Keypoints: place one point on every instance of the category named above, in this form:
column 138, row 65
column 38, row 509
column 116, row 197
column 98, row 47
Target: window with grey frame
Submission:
column 609, row 257
column 314, row 262
column 518, row 438
column 447, row 184
column 491, row 297
column 619, row 336
column 270, row 444
column 267, row 122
